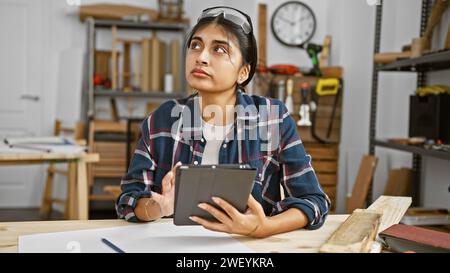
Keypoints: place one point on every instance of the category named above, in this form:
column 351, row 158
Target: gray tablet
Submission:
column 196, row 184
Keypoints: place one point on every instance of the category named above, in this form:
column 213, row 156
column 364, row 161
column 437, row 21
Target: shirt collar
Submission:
column 246, row 110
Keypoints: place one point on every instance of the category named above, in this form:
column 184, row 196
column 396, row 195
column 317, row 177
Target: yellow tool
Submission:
column 327, row 87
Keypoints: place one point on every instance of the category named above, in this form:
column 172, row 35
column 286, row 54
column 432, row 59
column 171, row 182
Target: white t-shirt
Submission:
column 214, row 136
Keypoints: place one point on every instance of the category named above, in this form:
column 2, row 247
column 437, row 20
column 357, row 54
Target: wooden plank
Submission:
column 355, row 235
column 175, row 58
column 115, row 67
column 392, row 207
column 329, row 190
column 82, row 191
column 447, row 40
column 34, row 158
column 145, row 52
column 362, row 183
column 325, row 166
column 306, row 136
column 327, row 179
column 320, row 153
column 114, row 12
column 262, row 34
column 126, row 74
column 399, row 182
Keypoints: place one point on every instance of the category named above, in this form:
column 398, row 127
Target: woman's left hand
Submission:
column 251, row 223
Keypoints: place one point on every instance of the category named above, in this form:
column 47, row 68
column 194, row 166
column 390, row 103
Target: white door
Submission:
column 22, row 75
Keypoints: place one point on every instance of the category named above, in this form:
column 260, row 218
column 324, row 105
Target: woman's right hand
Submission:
column 166, row 200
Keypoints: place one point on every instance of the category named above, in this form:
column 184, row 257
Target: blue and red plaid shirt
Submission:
column 264, row 136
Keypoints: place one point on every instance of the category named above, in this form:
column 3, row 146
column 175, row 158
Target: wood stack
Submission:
column 325, row 159
column 153, row 64
column 359, row 233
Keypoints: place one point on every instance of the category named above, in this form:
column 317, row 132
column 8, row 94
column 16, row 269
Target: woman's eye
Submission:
column 194, row 45
column 220, row 49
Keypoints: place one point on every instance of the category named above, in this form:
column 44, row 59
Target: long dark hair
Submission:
column 247, row 42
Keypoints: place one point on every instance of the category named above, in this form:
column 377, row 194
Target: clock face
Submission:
column 293, row 23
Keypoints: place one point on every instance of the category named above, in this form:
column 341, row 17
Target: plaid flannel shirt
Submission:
column 264, row 136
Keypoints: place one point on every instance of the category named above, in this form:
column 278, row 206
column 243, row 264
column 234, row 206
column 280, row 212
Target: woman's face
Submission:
column 214, row 60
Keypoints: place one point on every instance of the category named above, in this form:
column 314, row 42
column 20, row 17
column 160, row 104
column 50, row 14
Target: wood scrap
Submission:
column 438, row 9
column 389, row 57
column 359, row 232
column 324, row 55
column 262, row 34
column 145, row 51
column 399, row 182
column 447, row 40
column 115, row 12
column 114, row 58
column 363, row 180
column 355, row 235
column 175, row 57
column 392, row 209
column 126, row 74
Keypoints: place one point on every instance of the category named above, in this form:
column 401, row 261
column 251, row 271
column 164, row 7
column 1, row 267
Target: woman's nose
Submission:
column 203, row 57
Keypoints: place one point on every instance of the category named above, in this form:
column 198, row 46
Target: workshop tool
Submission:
column 324, row 56
column 304, row 107
column 286, row 70
column 313, row 51
column 289, row 101
column 281, row 89
column 325, row 87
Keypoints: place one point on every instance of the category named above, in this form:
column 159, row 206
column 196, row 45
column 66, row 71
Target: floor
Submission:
column 32, row 214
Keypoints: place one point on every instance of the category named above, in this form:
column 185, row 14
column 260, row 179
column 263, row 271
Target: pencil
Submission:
column 113, row 246
column 23, row 146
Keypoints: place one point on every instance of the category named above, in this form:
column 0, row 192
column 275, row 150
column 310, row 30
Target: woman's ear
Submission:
column 243, row 73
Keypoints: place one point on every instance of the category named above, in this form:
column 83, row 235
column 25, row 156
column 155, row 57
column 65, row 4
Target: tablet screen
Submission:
column 196, row 184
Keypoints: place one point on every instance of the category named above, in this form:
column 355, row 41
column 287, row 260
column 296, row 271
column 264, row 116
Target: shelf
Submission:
column 429, row 62
column 412, row 149
column 139, row 94
column 139, row 25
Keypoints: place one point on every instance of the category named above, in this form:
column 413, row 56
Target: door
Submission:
column 22, row 71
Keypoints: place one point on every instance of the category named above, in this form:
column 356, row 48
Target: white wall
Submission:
column 351, row 24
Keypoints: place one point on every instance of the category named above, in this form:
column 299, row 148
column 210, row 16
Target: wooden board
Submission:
column 102, row 59
column 175, row 60
column 355, row 235
column 114, row 58
column 392, row 208
column 389, row 57
column 362, row 183
column 447, row 40
column 145, row 64
column 157, row 64
column 262, row 34
column 325, row 164
column 399, row 182
column 114, row 12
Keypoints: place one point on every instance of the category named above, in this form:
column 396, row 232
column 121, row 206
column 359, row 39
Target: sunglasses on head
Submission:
column 231, row 14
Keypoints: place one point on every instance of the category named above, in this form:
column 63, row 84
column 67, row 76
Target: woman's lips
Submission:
column 199, row 73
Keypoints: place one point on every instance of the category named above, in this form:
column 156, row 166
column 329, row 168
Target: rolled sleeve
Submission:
column 138, row 181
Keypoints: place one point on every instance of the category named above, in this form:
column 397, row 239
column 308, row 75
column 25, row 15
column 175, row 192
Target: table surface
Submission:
column 295, row 241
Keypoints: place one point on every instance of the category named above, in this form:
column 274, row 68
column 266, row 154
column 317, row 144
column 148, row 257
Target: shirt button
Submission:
column 259, row 175
column 224, row 146
column 196, row 162
column 202, row 140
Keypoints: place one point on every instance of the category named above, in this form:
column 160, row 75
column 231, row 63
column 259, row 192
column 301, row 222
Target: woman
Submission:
column 221, row 124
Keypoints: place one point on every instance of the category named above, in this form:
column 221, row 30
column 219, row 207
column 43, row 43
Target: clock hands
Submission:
column 286, row 20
